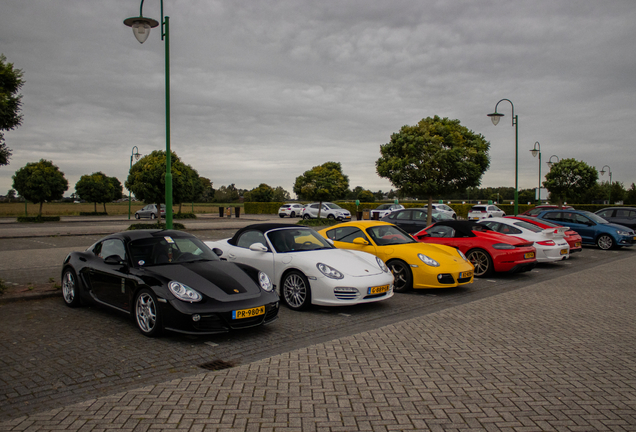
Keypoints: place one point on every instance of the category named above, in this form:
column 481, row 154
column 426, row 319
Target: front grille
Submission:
column 446, row 279
column 346, row 296
column 209, row 322
column 376, row 295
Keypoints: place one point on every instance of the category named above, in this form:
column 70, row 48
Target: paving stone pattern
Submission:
column 554, row 356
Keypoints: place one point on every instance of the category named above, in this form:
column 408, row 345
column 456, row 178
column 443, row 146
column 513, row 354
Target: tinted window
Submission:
column 113, row 247
column 346, row 234
column 248, row 238
column 441, row 231
column 419, row 215
column 557, row 216
column 405, row 215
column 384, row 235
column 528, row 226
column 294, row 240
column 169, row 250
column 608, row 213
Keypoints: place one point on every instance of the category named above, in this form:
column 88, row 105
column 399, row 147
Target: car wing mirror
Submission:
column 217, row 251
column 258, row 247
column 114, row 260
column 330, row 241
column 360, row 241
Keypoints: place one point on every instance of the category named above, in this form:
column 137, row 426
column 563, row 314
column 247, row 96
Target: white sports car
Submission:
column 550, row 243
column 306, row 268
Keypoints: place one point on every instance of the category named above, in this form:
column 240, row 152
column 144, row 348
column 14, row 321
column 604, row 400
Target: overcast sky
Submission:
column 262, row 91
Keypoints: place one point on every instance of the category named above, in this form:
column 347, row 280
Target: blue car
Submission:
column 593, row 229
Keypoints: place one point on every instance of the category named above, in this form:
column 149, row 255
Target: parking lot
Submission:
column 52, row 356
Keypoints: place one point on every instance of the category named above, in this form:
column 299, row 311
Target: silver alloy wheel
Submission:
column 605, row 242
column 146, row 312
column 295, row 291
column 152, row 216
column 480, row 260
column 68, row 287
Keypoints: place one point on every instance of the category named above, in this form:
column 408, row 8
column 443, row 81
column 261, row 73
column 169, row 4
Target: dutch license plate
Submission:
column 248, row 313
column 578, row 244
column 529, row 255
column 564, row 251
column 466, row 274
column 378, row 289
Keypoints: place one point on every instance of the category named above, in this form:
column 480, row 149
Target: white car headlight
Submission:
column 184, row 292
column 329, row 271
column 461, row 254
column 265, row 282
column 383, row 266
column 625, row 233
column 428, row 261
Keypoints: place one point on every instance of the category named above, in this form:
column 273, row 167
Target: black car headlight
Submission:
column 184, row 292
column 265, row 282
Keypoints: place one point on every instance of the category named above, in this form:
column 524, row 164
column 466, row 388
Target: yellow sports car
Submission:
column 414, row 264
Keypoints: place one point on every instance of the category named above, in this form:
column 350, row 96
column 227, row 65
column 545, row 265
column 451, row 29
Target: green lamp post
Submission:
column 495, row 117
column 141, row 29
column 136, row 155
column 537, row 151
column 610, row 176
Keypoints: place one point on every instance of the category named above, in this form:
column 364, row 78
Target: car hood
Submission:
column 348, row 262
column 220, row 280
column 445, row 255
column 496, row 237
column 618, row 227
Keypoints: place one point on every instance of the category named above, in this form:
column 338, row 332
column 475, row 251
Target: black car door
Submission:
column 109, row 274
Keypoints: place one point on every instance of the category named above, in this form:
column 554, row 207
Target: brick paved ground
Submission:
column 558, row 355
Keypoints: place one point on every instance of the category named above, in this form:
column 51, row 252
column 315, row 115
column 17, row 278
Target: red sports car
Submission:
column 572, row 237
column 488, row 250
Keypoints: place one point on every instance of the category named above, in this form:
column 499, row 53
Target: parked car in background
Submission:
column 533, row 212
column 487, row 250
column 150, row 211
column 572, row 237
column 413, row 220
column 593, row 229
column 414, row 264
column 328, row 211
column 625, row 216
column 550, row 243
column 291, row 210
column 482, row 211
column 168, row 280
column 384, row 209
column 443, row 208
column 307, row 269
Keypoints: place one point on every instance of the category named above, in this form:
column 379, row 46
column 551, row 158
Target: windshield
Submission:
column 384, row 235
column 333, row 206
column 297, row 240
column 528, row 226
column 169, row 250
column 384, row 207
column 478, row 208
column 596, row 218
column 441, row 216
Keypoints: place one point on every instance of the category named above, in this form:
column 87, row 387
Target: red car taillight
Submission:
column 546, row 243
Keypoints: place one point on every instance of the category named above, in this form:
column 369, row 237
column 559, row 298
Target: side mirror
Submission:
column 258, row 247
column 217, row 251
column 113, row 260
column 360, row 241
column 330, row 241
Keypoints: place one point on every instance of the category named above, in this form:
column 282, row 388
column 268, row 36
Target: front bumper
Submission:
column 425, row 277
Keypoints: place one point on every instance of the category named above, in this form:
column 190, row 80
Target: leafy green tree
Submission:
column 379, row 195
column 207, row 191
column 569, row 179
column 98, row 188
column 630, row 195
column 280, row 194
column 526, row 195
column 262, row 193
column 11, row 195
column 353, row 194
column 10, row 103
column 147, row 179
column 324, row 182
column 39, row 182
column 366, row 196
column 435, row 157
column 227, row 194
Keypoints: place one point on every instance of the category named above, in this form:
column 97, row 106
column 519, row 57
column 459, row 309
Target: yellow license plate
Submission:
column 248, row 313
column 466, row 274
column 564, row 251
column 578, row 244
column 529, row 255
column 378, row 289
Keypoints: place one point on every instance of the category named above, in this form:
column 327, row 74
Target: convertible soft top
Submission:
column 463, row 228
column 264, row 227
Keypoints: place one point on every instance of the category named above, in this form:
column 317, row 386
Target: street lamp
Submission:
column 141, row 29
column 495, row 117
column 610, row 174
column 549, row 162
column 136, row 155
column 537, row 151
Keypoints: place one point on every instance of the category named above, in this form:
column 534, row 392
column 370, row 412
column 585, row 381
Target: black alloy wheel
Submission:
column 402, row 276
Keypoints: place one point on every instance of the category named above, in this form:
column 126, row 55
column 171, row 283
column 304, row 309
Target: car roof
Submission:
column 263, row 227
column 140, row 234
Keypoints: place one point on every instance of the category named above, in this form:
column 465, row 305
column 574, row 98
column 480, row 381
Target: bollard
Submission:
column 221, row 211
column 237, row 211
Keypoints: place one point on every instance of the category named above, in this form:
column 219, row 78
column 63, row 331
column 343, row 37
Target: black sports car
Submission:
column 169, row 280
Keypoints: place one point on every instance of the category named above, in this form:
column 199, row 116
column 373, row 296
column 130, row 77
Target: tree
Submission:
column 435, row 157
column 366, row 196
column 569, row 179
column 262, row 193
column 207, row 191
column 11, row 195
column 10, row 103
column 39, row 182
column 630, row 195
column 324, row 182
column 227, row 194
column 280, row 195
column 98, row 188
column 147, row 180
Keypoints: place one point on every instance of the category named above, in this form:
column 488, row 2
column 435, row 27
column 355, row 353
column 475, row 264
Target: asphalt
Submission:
column 558, row 355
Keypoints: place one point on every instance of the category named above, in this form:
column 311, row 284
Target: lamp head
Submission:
column 141, row 27
column 602, row 172
column 534, row 152
column 495, row 117
column 549, row 163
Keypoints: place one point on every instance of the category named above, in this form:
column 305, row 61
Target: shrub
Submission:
column 93, row 214
column 38, row 219
column 156, row 225
column 184, row 216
